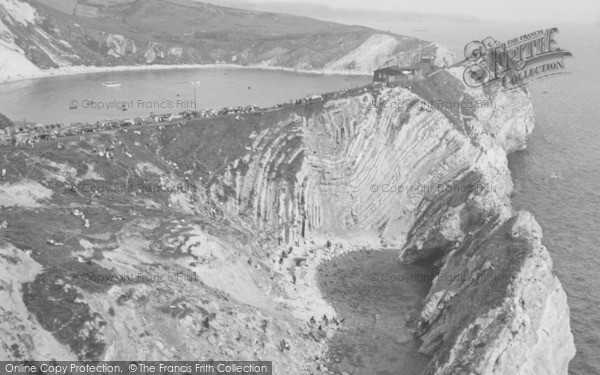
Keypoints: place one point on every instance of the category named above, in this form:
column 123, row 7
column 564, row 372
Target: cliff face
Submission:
column 496, row 308
column 421, row 170
column 431, row 178
column 375, row 162
column 50, row 34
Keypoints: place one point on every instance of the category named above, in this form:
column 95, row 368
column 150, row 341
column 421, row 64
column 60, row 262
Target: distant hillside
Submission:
column 240, row 4
column 324, row 12
column 5, row 122
column 47, row 34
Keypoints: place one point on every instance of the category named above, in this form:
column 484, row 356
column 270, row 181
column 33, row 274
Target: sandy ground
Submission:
column 75, row 70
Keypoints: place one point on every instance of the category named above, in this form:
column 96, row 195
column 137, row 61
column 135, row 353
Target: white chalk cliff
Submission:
column 385, row 166
column 435, row 182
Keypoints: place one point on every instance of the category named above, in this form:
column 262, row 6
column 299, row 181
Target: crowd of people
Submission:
column 31, row 134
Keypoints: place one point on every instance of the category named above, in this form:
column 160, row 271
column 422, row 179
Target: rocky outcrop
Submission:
column 119, row 46
column 372, row 162
column 496, row 308
column 433, row 179
column 423, row 170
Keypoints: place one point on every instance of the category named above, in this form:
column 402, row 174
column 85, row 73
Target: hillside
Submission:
column 5, row 122
column 163, row 242
column 50, row 34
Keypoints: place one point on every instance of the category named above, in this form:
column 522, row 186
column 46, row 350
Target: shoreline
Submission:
column 80, row 69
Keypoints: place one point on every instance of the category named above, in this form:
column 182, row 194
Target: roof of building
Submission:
column 398, row 70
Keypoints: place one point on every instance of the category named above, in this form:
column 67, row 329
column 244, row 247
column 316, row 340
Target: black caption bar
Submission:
column 136, row 368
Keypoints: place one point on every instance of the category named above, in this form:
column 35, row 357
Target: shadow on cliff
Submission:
column 376, row 296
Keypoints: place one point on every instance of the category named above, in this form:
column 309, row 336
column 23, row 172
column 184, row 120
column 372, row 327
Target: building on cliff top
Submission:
column 397, row 74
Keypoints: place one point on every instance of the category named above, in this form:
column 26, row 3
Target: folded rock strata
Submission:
column 422, row 170
column 411, row 169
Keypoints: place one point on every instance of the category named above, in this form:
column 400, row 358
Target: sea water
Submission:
column 100, row 96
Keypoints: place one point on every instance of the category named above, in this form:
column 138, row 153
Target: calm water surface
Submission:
column 49, row 100
column 558, row 179
column 558, row 176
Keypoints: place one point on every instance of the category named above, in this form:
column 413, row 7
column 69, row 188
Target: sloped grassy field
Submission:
column 133, row 251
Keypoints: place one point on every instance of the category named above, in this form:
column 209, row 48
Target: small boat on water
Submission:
column 111, row 84
column 195, row 82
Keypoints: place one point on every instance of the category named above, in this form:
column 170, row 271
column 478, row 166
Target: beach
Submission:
column 80, row 69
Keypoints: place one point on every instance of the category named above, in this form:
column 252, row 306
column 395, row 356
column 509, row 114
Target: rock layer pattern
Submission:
column 432, row 178
column 421, row 170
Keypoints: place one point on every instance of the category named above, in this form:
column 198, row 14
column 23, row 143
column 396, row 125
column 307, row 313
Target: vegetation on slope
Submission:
column 5, row 122
column 124, row 32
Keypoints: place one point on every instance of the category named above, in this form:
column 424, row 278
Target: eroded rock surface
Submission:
column 249, row 207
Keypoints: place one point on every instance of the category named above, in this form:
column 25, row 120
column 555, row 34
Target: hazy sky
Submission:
column 554, row 10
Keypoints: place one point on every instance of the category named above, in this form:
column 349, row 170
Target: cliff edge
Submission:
column 424, row 169
column 249, row 206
